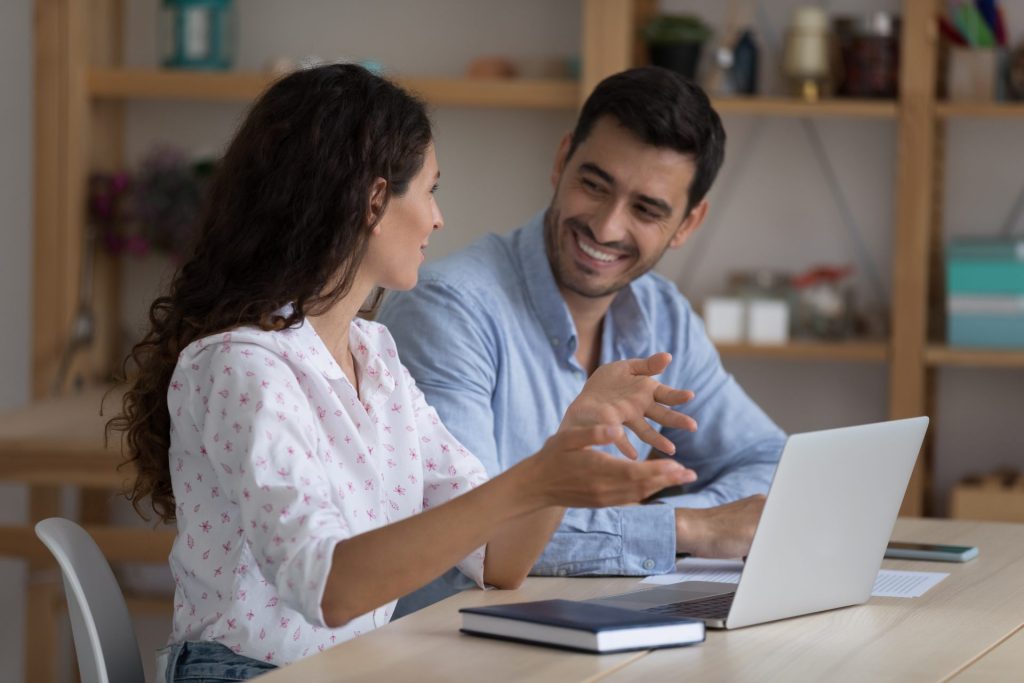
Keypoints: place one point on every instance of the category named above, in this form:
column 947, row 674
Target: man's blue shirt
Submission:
column 490, row 341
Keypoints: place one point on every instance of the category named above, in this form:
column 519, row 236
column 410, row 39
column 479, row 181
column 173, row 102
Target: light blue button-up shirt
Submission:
column 490, row 341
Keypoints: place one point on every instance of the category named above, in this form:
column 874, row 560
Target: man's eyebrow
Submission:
column 660, row 205
column 590, row 167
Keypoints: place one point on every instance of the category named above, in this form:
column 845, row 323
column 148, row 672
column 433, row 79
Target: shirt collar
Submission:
column 312, row 350
column 627, row 328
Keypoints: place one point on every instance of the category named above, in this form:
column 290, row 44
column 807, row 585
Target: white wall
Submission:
column 769, row 207
column 15, row 260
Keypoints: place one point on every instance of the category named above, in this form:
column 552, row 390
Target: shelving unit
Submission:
column 157, row 84
column 81, row 87
column 937, row 355
column 980, row 110
column 798, row 350
column 787, row 106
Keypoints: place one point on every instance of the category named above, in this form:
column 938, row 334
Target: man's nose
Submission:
column 609, row 223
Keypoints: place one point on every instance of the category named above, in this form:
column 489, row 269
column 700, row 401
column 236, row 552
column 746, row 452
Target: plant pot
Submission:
column 682, row 58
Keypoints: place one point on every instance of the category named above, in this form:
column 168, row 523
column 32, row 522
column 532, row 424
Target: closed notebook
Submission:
column 581, row 626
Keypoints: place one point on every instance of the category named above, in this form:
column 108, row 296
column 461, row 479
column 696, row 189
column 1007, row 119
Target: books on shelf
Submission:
column 582, row 626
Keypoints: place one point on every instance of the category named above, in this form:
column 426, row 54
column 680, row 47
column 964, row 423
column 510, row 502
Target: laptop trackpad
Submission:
column 662, row 595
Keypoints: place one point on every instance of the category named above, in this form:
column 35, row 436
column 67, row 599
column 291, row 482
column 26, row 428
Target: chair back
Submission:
column 100, row 624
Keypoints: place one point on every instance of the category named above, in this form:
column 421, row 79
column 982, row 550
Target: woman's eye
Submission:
column 435, row 188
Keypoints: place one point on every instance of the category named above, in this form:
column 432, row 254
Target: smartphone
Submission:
column 897, row 550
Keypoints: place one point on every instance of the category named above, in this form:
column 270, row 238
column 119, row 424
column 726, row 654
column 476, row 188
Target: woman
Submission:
column 311, row 484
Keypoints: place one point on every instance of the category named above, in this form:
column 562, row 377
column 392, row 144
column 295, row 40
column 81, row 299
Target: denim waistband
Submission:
column 206, row 661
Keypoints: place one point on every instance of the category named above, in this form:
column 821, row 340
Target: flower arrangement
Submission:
column 154, row 209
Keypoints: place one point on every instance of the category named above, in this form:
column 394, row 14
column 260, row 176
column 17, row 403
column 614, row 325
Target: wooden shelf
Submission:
column 947, row 356
column 980, row 110
column 789, row 106
column 241, row 86
column 849, row 351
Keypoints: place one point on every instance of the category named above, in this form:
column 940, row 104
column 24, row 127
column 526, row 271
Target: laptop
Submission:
column 820, row 541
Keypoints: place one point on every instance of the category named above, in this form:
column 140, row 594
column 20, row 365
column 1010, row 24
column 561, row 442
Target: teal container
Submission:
column 197, row 34
column 985, row 266
column 985, row 330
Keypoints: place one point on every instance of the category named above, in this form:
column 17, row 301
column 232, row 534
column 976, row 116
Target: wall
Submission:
column 15, row 274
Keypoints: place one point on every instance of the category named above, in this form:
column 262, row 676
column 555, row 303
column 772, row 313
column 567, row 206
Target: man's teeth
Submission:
column 595, row 254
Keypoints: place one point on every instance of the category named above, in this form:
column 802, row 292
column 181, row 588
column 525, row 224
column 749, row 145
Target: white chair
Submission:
column 100, row 624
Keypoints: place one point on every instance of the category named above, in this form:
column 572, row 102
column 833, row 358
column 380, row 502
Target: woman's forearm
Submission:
column 378, row 566
column 514, row 548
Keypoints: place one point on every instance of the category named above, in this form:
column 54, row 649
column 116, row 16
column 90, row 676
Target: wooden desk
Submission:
column 949, row 630
column 1005, row 662
column 59, row 443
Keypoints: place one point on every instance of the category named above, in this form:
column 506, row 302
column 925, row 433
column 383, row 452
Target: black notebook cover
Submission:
column 581, row 617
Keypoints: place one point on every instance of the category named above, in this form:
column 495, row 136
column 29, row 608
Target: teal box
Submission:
column 985, row 266
column 985, row 330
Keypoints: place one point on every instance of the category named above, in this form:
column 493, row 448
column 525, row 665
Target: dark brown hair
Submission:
column 286, row 221
column 663, row 109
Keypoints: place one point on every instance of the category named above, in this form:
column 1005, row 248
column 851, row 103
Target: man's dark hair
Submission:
column 663, row 109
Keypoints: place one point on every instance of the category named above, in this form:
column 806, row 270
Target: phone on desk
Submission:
column 897, row 550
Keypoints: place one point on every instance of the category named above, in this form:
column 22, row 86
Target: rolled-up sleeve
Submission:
column 263, row 445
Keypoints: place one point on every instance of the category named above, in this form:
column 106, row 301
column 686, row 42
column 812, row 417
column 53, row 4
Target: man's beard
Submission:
column 562, row 263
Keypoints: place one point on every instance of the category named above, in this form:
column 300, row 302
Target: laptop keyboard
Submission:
column 711, row 607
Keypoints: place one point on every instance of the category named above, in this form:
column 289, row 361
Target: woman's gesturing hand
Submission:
column 570, row 474
column 625, row 392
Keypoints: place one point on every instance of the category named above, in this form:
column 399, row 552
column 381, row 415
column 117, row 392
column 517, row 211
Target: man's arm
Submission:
column 454, row 348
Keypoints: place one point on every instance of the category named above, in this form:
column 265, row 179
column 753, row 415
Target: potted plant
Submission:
column 674, row 41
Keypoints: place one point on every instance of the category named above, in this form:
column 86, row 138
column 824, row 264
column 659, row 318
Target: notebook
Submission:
column 819, row 543
column 580, row 626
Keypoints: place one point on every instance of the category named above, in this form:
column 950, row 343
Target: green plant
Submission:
column 676, row 28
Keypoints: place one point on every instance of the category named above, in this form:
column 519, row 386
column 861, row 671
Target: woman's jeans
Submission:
column 206, row 662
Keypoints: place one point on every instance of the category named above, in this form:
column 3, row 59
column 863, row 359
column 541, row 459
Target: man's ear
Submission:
column 375, row 206
column 561, row 156
column 690, row 224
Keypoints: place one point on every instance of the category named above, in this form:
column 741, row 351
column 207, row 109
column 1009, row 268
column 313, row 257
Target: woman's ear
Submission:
column 375, row 207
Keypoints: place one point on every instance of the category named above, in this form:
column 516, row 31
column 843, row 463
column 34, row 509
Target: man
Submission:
column 502, row 335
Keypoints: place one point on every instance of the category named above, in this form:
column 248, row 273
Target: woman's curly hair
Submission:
column 287, row 220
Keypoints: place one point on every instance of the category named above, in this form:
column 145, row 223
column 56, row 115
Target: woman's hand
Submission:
column 625, row 392
column 568, row 473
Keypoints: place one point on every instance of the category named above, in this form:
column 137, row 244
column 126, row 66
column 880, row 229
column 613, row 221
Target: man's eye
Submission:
column 591, row 185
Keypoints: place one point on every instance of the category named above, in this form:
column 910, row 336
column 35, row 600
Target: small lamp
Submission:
column 197, row 34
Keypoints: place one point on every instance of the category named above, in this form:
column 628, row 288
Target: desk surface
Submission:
column 971, row 614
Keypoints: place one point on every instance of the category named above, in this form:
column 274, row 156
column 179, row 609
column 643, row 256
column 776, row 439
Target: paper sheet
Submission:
column 890, row 583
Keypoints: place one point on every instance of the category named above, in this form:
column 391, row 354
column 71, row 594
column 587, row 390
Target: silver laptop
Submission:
column 820, row 541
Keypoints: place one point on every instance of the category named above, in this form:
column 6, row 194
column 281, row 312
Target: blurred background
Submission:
column 863, row 257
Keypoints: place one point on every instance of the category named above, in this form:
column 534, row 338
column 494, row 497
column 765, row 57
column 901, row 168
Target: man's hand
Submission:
column 725, row 531
column 625, row 392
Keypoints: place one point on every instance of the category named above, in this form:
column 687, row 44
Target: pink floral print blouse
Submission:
column 275, row 459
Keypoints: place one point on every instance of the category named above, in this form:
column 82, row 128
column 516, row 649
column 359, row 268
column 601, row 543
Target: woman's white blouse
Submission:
column 274, row 461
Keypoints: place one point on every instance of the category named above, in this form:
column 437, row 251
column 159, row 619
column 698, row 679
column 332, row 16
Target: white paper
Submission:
column 891, row 583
